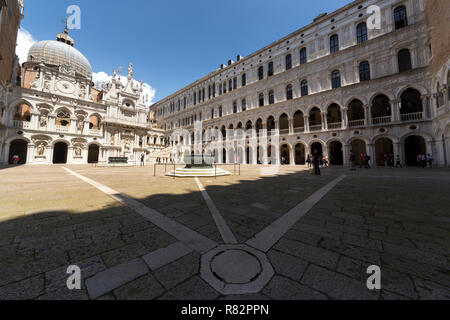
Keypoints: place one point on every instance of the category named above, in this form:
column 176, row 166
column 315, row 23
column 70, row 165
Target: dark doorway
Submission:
column 284, row 153
column 358, row 148
column 336, row 154
column 300, row 156
column 93, row 153
column 316, row 147
column 19, row 148
column 60, row 153
column 383, row 146
column 414, row 145
column 249, row 156
column 224, row 156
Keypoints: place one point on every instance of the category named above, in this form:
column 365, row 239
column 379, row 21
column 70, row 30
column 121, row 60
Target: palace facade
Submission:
column 341, row 84
column 52, row 114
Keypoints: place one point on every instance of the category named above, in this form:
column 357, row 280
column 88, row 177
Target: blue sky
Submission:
column 172, row 43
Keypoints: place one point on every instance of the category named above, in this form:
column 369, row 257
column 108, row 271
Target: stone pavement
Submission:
column 136, row 236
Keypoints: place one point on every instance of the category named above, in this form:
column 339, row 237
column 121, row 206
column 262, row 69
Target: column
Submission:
column 368, row 114
column 292, row 156
column 277, row 155
column 34, row 121
column 344, row 118
column 6, row 153
column 30, row 153
column 254, row 155
column 306, row 122
column 291, row 126
column 372, row 154
column 324, row 121
column 438, row 154
column 398, row 150
column 428, row 113
column 277, row 127
column 395, row 106
column 346, row 151
column 51, row 123
column 73, row 125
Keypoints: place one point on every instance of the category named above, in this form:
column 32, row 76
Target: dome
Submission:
column 59, row 54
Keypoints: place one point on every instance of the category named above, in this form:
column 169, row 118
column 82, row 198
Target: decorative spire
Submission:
column 64, row 36
column 130, row 71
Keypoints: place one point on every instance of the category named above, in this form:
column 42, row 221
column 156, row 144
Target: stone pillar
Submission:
column 34, row 125
column 291, row 126
column 6, row 153
column 324, row 121
column 438, row 153
column 73, row 125
column 427, row 110
column 277, row 155
column 398, row 150
column 292, row 156
column 346, row 150
column 30, row 153
column 368, row 114
column 52, row 123
column 370, row 149
column 344, row 118
column 254, row 159
column 395, row 107
column 306, row 122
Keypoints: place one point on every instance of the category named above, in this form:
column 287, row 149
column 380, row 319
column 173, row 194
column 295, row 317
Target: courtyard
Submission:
column 255, row 236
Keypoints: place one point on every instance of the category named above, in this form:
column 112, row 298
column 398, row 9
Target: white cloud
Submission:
column 24, row 42
column 99, row 77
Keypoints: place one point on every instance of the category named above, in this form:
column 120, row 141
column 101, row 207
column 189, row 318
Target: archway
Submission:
column 336, row 153
column 381, row 107
column 414, row 145
column 93, row 153
column 315, row 119
column 224, row 156
column 383, row 146
column 285, row 153
column 284, row 124
column 60, row 153
column 355, row 113
column 300, row 154
column 358, row 148
column 18, row 147
column 411, row 102
column 317, row 147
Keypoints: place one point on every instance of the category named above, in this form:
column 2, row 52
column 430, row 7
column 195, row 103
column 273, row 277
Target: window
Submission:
column 214, row 90
column 220, row 89
column 261, row 73
column 261, row 100
column 212, row 113
column 203, row 95
column 225, row 87
column 220, row 111
column 289, row 94
column 335, row 79
column 361, row 32
column 184, row 103
column 404, row 60
column 195, row 98
column 235, row 110
column 271, row 97
column 270, row 69
column 230, row 85
column 209, row 92
column 303, row 57
column 288, row 62
column 244, row 105
column 234, row 83
column 304, row 88
column 244, row 80
column 364, row 71
column 334, row 43
column 400, row 18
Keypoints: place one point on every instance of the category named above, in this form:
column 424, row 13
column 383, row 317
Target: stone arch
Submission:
column 20, row 101
column 309, row 108
column 285, row 153
column 388, row 94
column 300, row 150
column 18, row 147
column 422, row 90
column 360, row 98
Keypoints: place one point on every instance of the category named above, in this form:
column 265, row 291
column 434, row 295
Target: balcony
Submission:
column 412, row 116
column 335, row 125
column 356, row 123
column 382, row 120
column 284, row 132
column 315, row 128
column 63, row 129
column 299, row 130
column 94, row 132
column 21, row 124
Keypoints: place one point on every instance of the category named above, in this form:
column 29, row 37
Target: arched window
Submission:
column 63, row 118
column 404, row 60
column 94, row 123
column 335, row 79
column 304, row 88
column 271, row 97
column 411, row 102
column 220, row 111
column 22, row 112
column 212, row 113
column 230, row 85
column 288, row 61
column 244, row 80
column 364, row 71
column 289, row 94
column 400, row 18
column 244, row 105
column 361, row 32
column 261, row 73
column 195, row 98
column 235, row 107
column 270, row 69
column 234, row 83
column 303, row 56
column 261, row 100
column 334, row 43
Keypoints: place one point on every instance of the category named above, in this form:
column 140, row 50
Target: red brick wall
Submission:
column 8, row 39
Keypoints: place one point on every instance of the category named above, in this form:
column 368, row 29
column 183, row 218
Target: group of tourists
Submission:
column 322, row 160
column 425, row 160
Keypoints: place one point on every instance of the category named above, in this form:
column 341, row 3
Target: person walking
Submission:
column 430, row 160
column 398, row 162
column 142, row 160
column 363, row 161
column 367, row 161
column 15, row 159
column 316, row 162
column 423, row 161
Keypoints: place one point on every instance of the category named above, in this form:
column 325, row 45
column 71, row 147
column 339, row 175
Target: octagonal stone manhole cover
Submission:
column 236, row 269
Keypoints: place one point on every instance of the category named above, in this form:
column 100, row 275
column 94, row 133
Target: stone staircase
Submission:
column 198, row 172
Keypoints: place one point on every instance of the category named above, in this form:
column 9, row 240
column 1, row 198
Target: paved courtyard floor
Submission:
column 283, row 235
